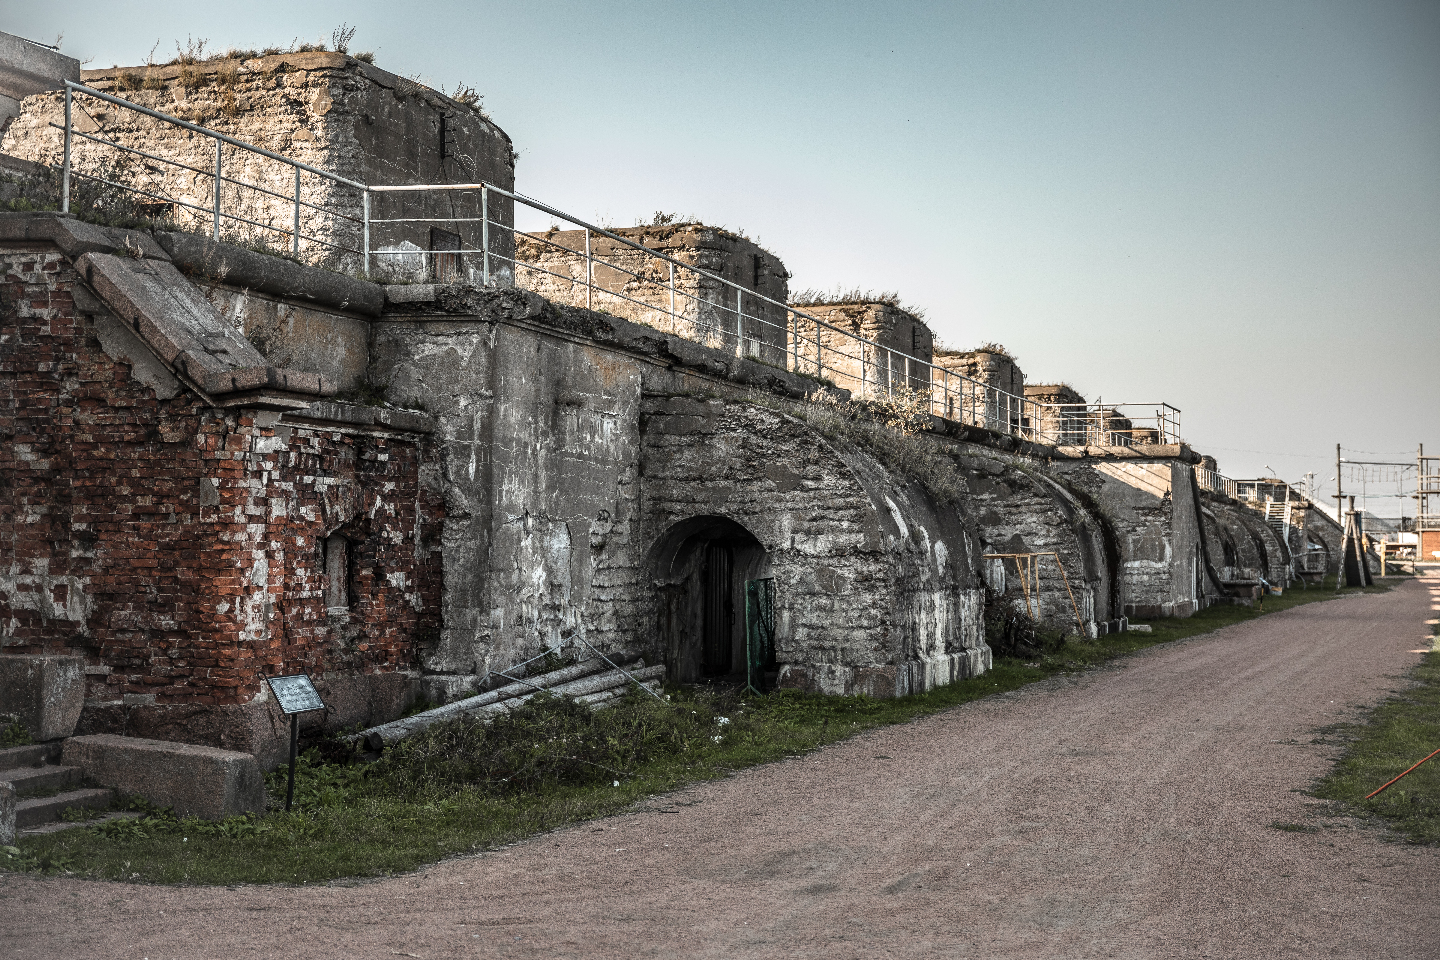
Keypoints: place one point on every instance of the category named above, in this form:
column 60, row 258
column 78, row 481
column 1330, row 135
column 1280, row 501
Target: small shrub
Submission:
column 12, row 732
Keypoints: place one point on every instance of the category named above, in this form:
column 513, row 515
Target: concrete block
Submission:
column 7, row 813
column 197, row 781
column 27, row 67
column 45, row 692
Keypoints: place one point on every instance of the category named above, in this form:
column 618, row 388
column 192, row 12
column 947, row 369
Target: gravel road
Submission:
column 1127, row 812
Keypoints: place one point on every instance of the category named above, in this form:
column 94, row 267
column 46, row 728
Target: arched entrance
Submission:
column 700, row 569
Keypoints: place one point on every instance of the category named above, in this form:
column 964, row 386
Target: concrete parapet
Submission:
column 196, row 781
column 45, row 692
column 27, row 67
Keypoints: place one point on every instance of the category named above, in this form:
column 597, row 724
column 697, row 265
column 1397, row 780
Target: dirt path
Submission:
column 1126, row 813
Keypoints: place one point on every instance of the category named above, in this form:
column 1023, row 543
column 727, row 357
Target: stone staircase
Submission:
column 45, row 788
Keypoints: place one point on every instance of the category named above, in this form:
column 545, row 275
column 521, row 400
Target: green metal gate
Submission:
column 759, row 632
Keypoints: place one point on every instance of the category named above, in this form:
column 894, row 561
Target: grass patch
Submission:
column 464, row 787
column 1394, row 736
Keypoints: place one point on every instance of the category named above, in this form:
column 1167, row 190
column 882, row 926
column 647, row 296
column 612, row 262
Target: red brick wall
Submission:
column 177, row 547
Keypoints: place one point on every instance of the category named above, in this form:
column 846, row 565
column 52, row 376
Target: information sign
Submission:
column 295, row 694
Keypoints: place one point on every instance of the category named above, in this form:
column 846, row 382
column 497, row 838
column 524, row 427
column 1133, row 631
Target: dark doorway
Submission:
column 701, row 567
column 719, row 626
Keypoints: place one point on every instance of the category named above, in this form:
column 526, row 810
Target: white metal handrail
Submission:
column 1216, row 482
column 216, row 211
column 756, row 326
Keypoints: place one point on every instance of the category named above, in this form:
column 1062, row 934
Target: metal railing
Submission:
column 626, row 277
column 1216, row 482
column 1264, row 490
column 270, row 211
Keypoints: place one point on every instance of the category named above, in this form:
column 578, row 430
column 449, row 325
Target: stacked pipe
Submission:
column 588, row 682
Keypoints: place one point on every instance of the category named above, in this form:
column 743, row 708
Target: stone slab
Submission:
column 196, row 781
column 45, row 692
column 236, row 266
column 7, row 813
column 27, row 67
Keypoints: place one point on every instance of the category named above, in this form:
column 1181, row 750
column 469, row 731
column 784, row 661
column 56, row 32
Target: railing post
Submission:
column 739, row 322
column 218, row 175
column 589, row 271
column 295, row 240
column 673, row 318
column 485, row 231
column 65, row 169
column 365, row 228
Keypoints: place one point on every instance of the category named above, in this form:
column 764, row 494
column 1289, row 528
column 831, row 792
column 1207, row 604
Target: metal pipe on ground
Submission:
column 399, row 729
column 571, row 681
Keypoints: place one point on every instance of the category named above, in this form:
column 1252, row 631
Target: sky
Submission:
column 1230, row 207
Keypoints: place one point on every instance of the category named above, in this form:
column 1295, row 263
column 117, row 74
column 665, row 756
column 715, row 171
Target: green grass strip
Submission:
column 1392, row 737
column 349, row 823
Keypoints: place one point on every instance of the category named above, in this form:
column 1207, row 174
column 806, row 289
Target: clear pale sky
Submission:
column 1233, row 207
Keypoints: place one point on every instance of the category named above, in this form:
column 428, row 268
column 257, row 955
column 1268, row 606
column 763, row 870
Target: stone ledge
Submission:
column 359, row 415
column 236, row 266
column 430, row 302
column 1139, row 451
column 196, row 781
column 76, row 237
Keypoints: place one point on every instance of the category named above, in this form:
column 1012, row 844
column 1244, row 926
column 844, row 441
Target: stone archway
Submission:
column 699, row 567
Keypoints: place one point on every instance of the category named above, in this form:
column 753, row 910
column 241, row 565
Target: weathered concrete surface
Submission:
column 1241, row 545
column 634, row 285
column 196, row 781
column 876, row 582
column 298, row 336
column 584, row 467
column 325, row 109
column 7, row 813
column 27, row 68
column 45, row 692
column 1020, row 508
column 1152, row 507
column 864, row 370
column 1127, row 813
column 185, row 333
column 210, row 263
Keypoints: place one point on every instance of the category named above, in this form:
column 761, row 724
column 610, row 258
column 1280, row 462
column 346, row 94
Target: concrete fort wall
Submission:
column 1242, row 547
column 328, row 110
column 193, row 508
column 631, row 284
column 1021, row 508
column 590, row 466
column 864, row 370
column 1151, row 506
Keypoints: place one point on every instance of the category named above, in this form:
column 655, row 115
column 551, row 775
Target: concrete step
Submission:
column 38, row 810
column 47, row 779
column 57, row 825
column 28, row 756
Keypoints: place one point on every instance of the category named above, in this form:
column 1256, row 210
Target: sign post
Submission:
column 295, row 695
